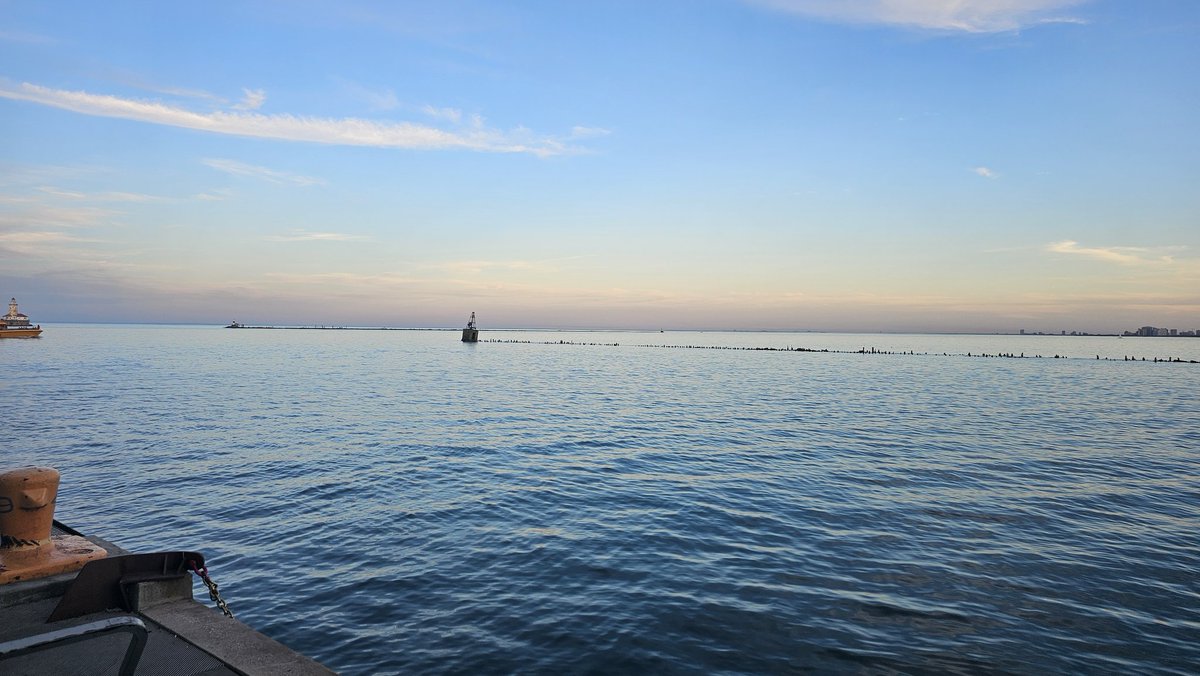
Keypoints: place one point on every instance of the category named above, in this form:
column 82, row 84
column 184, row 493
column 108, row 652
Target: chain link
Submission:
column 213, row 592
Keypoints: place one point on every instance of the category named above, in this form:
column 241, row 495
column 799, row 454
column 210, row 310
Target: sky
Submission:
column 838, row 165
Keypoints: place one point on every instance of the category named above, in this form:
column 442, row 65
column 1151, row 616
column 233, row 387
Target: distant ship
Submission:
column 16, row 325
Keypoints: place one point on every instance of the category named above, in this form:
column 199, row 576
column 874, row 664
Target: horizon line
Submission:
column 374, row 327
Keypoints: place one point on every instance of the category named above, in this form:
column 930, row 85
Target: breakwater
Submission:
column 864, row 351
column 981, row 354
column 332, row 328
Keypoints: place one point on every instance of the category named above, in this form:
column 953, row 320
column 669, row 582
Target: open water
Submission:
column 400, row 502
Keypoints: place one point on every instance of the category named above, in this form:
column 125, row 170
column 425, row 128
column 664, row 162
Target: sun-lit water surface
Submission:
column 399, row 502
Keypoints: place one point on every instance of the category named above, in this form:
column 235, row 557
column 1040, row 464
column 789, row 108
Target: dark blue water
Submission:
column 398, row 502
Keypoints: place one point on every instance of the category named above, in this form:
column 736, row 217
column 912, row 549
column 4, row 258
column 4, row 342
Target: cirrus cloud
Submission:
column 971, row 16
column 348, row 131
column 306, row 236
column 1123, row 255
column 253, row 99
column 235, row 168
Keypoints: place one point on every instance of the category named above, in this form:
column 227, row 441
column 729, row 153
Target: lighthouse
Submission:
column 471, row 334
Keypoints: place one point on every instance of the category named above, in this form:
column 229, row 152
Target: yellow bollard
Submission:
column 28, row 547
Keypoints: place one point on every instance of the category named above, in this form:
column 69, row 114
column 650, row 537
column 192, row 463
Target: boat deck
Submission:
column 182, row 637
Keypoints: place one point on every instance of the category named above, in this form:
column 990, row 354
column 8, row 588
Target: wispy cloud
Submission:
column 588, row 132
column 35, row 245
column 64, row 194
column 126, row 197
column 334, row 131
column 452, row 114
column 972, row 16
column 33, row 176
column 38, row 213
column 252, row 100
column 212, row 196
column 39, row 224
column 984, row 172
column 1123, row 255
column 278, row 177
column 479, row 267
column 270, row 175
column 476, row 267
column 346, row 279
column 305, row 236
column 137, row 81
column 41, row 213
column 98, row 196
column 36, row 237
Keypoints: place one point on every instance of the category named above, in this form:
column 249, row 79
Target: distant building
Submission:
column 1163, row 332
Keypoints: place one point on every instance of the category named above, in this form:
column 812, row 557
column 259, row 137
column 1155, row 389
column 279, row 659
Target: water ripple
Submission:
column 397, row 502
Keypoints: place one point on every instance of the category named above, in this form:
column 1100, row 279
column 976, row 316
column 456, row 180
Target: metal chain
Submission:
column 213, row 593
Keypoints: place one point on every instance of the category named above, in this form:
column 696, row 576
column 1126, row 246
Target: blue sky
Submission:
column 810, row 164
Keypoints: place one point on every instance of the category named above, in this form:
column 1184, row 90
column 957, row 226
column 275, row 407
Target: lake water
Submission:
column 400, row 502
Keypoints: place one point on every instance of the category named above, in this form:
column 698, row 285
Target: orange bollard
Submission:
column 28, row 547
column 27, row 498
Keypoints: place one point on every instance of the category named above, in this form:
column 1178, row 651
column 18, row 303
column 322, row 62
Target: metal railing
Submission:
column 83, row 632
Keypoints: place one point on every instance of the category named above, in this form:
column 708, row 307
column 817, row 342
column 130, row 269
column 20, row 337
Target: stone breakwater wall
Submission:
column 864, row 351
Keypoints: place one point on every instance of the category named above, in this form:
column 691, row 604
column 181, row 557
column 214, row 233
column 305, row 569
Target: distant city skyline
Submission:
column 910, row 165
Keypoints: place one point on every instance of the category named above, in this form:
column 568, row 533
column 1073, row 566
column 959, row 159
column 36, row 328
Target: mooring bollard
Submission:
column 27, row 498
column 29, row 548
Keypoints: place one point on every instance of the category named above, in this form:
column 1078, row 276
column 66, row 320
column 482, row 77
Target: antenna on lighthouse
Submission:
column 471, row 333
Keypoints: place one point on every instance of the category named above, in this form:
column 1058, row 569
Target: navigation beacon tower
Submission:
column 471, row 334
